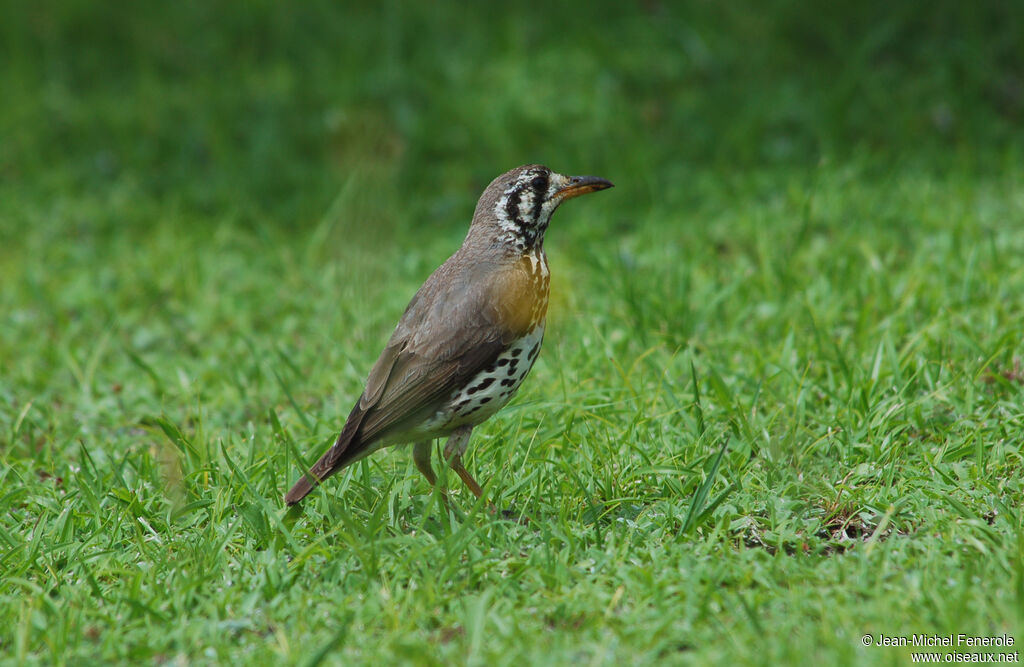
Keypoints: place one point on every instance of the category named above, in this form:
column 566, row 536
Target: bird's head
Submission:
column 518, row 204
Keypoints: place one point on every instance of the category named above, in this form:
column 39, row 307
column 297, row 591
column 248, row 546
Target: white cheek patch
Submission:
column 547, row 209
column 500, row 211
column 523, row 219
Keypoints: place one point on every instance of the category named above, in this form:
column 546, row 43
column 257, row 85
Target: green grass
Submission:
column 780, row 403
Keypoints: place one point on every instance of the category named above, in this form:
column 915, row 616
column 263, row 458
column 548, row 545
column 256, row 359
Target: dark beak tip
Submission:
column 592, row 183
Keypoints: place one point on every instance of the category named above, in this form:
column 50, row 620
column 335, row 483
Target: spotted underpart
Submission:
column 490, row 389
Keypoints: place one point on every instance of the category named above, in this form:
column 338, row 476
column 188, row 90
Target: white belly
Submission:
column 490, row 389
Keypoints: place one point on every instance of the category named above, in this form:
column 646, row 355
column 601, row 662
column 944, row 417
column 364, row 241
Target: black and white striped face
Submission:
column 525, row 208
column 524, row 199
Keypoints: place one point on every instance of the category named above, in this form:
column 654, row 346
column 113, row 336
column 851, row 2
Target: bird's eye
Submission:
column 539, row 183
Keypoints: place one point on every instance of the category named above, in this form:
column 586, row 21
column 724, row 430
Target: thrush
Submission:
column 468, row 337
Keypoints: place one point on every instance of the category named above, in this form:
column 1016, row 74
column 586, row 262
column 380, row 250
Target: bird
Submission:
column 468, row 337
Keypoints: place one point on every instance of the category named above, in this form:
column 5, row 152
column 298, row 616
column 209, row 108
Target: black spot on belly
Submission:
column 512, row 368
column 484, row 384
column 485, row 399
column 508, row 382
column 535, row 350
column 516, row 352
column 502, row 362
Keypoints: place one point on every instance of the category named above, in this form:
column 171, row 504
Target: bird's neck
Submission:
column 509, row 242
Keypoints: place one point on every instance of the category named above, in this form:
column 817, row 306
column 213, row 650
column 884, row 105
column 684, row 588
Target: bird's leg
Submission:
column 453, row 451
column 421, row 452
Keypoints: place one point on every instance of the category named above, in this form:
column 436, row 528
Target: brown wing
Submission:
column 452, row 329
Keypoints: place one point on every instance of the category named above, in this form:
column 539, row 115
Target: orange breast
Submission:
column 521, row 293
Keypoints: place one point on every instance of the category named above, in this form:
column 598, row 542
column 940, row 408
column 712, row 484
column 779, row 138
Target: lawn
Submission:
column 780, row 404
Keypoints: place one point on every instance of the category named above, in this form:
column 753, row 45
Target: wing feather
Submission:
column 455, row 326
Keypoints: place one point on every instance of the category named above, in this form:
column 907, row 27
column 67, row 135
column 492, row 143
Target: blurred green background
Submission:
column 212, row 213
column 266, row 110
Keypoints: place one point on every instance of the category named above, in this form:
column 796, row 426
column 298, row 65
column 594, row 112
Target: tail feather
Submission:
column 333, row 460
column 299, row 491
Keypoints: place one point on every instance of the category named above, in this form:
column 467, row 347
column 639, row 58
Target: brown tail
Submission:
column 345, row 450
column 299, row 491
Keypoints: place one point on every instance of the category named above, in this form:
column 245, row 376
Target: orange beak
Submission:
column 581, row 185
